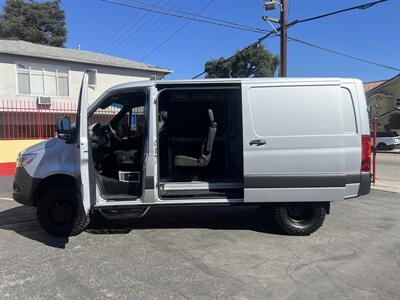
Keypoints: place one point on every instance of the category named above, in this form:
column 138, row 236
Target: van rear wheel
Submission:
column 299, row 218
column 60, row 212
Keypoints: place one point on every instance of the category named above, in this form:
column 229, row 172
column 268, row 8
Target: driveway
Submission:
column 206, row 253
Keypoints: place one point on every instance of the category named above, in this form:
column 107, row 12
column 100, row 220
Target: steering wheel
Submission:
column 98, row 135
column 116, row 133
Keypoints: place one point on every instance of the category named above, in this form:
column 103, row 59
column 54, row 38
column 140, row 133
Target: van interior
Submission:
column 117, row 131
column 200, row 142
column 200, row 153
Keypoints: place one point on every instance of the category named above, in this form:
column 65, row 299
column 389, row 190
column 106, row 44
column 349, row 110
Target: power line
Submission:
column 243, row 50
column 201, row 16
column 176, row 31
column 163, row 28
column 242, row 27
column 314, row 46
column 204, row 19
column 362, row 6
column 342, row 54
column 117, row 32
column 139, row 24
column 189, row 16
column 207, row 47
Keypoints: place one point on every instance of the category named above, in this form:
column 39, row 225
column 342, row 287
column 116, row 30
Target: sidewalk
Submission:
column 387, row 186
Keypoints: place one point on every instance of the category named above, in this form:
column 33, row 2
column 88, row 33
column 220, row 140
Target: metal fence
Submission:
column 25, row 120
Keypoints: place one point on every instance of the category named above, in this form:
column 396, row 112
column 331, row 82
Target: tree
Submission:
column 394, row 121
column 254, row 62
column 40, row 23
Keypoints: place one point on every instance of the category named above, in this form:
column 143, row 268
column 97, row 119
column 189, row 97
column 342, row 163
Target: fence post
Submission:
column 374, row 153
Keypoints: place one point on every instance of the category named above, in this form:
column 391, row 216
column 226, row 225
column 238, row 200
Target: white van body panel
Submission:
column 312, row 143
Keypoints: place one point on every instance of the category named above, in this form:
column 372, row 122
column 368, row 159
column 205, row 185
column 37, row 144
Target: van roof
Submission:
column 149, row 83
column 331, row 80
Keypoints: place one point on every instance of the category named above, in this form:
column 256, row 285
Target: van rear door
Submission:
column 293, row 141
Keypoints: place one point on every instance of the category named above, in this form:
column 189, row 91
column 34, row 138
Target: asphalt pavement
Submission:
column 206, row 253
column 209, row 253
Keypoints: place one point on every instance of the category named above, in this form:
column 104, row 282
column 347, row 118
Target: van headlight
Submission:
column 25, row 159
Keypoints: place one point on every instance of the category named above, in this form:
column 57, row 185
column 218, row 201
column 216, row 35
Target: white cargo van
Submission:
column 293, row 145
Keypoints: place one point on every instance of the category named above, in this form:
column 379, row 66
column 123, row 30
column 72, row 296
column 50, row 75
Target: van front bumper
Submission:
column 23, row 187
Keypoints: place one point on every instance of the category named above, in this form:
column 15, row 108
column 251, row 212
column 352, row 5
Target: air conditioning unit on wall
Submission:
column 44, row 101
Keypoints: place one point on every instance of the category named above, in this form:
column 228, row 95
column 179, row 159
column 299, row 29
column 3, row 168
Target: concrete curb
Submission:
column 396, row 151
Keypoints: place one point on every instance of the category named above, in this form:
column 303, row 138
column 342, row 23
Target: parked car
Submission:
column 387, row 140
column 291, row 145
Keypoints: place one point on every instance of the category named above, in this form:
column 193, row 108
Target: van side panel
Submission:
column 304, row 156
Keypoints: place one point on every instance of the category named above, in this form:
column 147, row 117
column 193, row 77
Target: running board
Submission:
column 200, row 185
column 124, row 213
column 201, row 189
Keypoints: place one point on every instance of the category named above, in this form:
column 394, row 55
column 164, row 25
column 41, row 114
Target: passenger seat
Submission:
column 206, row 149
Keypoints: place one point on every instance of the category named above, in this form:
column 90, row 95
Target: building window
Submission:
column 42, row 80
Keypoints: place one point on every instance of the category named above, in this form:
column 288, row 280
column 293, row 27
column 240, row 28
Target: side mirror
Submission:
column 64, row 129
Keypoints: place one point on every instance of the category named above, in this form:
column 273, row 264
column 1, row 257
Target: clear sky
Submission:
column 372, row 34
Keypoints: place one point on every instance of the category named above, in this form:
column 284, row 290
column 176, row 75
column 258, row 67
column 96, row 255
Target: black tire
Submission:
column 381, row 146
column 299, row 218
column 60, row 212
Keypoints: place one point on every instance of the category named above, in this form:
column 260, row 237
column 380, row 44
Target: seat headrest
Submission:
column 211, row 115
column 164, row 115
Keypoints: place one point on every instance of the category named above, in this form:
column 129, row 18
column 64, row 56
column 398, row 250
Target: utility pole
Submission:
column 283, row 22
column 271, row 5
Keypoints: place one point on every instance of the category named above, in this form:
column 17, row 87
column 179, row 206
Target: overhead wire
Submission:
column 137, row 26
column 114, row 36
column 242, row 27
column 163, row 29
column 361, row 6
column 166, row 40
column 342, row 54
column 145, row 33
column 189, row 16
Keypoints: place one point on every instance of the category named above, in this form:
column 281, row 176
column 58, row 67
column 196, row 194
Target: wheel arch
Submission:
column 50, row 181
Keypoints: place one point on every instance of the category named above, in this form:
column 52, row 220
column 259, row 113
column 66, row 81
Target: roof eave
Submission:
column 144, row 68
column 385, row 83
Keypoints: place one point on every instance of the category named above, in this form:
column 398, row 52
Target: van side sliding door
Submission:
column 293, row 142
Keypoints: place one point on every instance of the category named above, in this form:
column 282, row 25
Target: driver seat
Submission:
column 206, row 148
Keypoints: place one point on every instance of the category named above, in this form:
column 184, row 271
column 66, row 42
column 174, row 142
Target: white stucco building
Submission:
column 34, row 73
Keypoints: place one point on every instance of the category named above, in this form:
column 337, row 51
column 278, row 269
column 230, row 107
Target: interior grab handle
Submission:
column 258, row 142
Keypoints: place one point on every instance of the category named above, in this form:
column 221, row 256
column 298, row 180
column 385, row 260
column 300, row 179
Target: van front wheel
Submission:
column 299, row 218
column 60, row 212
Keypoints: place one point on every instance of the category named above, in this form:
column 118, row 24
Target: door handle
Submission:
column 257, row 142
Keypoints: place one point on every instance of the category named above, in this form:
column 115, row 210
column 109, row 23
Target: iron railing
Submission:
column 25, row 120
